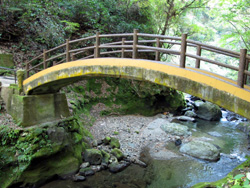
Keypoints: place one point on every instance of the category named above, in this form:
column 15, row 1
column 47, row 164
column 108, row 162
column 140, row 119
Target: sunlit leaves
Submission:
column 234, row 16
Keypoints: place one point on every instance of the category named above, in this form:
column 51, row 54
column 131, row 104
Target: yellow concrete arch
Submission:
column 208, row 86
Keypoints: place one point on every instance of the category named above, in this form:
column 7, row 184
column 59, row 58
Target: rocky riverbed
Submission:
column 136, row 133
column 177, row 151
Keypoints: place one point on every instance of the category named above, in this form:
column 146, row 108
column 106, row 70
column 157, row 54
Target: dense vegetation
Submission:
column 36, row 24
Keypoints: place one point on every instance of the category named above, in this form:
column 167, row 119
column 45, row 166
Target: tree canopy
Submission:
column 41, row 24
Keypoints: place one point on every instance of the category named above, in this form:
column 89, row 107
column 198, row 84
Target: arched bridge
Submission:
column 129, row 58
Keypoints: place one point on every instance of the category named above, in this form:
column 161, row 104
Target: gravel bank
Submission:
column 136, row 132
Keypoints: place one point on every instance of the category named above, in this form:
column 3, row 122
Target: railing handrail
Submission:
column 134, row 44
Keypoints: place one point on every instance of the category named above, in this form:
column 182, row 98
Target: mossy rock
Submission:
column 106, row 157
column 106, row 140
column 93, row 156
column 117, row 153
column 114, row 143
column 33, row 155
column 86, row 171
column 208, row 111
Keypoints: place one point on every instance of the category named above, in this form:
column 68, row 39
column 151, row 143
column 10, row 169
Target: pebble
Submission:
column 96, row 168
column 85, row 165
column 78, row 178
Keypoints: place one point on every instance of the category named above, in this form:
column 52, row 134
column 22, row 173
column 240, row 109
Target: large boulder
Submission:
column 175, row 129
column 201, row 150
column 208, row 111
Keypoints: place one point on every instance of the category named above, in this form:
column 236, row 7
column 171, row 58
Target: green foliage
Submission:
column 23, row 143
column 71, row 27
column 232, row 21
column 49, row 23
column 238, row 181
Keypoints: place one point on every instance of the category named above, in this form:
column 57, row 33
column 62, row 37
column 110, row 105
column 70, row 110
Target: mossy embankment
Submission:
column 33, row 155
column 124, row 96
column 229, row 180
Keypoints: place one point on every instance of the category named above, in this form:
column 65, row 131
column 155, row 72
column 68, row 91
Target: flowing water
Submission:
column 183, row 171
column 187, row 171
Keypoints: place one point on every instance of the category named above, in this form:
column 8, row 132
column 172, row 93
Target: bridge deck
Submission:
column 203, row 84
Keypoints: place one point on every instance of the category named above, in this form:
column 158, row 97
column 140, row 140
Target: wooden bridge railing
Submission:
column 130, row 43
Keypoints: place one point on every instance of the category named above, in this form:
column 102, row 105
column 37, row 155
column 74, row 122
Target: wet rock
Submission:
column 139, row 162
column 176, row 129
column 185, row 118
column 117, row 153
column 104, row 166
column 215, row 134
column 194, row 98
column 113, row 159
column 114, row 143
column 190, row 114
column 94, row 143
column 118, row 167
column 230, row 116
column 197, row 103
column 208, row 111
column 244, row 127
column 78, row 178
column 190, row 105
column 86, row 172
column 187, row 109
column 84, row 165
column 93, row 156
column 201, row 150
column 178, row 142
column 96, row 168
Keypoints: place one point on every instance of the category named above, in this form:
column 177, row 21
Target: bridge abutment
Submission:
column 31, row 110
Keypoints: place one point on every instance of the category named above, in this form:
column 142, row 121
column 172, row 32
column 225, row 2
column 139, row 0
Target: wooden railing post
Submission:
column 67, row 51
column 198, row 61
column 44, row 59
column 183, row 50
column 135, row 43
column 97, row 44
column 157, row 53
column 246, row 68
column 27, row 70
column 242, row 65
column 123, row 49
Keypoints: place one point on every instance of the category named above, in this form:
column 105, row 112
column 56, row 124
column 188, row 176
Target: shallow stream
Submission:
column 180, row 172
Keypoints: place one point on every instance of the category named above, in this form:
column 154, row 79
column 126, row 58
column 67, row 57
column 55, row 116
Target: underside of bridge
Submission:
column 205, row 85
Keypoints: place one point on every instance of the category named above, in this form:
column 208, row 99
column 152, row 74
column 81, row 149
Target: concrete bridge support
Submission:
column 31, row 110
